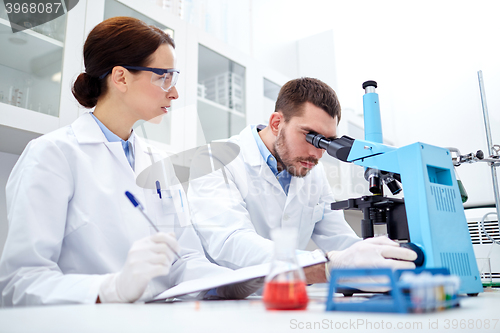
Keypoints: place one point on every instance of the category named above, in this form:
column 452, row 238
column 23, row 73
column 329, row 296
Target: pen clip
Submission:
column 158, row 188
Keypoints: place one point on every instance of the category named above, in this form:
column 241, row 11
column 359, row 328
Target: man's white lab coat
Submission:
column 234, row 211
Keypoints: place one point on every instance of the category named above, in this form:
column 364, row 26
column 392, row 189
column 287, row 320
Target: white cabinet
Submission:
column 220, row 96
column 36, row 70
column 270, row 91
column 30, row 67
column 221, row 89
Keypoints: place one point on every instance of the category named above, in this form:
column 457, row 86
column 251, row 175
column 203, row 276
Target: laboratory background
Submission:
column 234, row 55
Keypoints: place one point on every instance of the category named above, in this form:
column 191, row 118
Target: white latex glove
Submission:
column 147, row 258
column 378, row 252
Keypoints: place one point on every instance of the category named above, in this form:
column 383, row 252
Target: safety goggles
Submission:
column 163, row 78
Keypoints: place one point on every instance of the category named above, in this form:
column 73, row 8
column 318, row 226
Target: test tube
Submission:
column 417, row 291
column 428, row 287
column 439, row 293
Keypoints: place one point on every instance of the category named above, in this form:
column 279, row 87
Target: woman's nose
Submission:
column 173, row 93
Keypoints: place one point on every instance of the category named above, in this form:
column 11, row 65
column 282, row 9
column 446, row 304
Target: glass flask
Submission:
column 285, row 286
column 463, row 192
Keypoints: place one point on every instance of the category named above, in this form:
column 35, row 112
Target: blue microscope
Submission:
column 430, row 219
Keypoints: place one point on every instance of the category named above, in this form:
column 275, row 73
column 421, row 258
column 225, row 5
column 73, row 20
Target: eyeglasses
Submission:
column 163, row 78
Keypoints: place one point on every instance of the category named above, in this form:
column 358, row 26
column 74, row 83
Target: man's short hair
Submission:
column 296, row 92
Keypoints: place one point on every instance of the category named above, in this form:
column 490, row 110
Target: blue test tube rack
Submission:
column 397, row 299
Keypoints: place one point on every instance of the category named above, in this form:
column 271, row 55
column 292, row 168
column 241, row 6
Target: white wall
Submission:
column 316, row 57
column 7, row 162
column 228, row 20
column 424, row 55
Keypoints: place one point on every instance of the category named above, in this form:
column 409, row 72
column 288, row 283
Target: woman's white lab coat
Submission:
column 235, row 211
column 70, row 222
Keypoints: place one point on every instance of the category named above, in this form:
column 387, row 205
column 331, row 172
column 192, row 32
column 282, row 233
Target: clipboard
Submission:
column 240, row 275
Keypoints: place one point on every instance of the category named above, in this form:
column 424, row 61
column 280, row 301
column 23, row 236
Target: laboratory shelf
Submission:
column 218, row 121
column 18, row 126
column 30, row 32
column 39, row 65
column 22, row 48
column 33, row 101
column 216, row 105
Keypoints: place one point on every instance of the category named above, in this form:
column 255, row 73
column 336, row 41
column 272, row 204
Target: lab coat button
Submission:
column 285, row 217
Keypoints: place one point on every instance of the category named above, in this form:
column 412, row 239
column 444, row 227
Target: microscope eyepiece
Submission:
column 369, row 84
column 317, row 140
column 338, row 148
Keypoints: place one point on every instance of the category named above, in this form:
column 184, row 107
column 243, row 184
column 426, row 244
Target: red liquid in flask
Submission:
column 285, row 295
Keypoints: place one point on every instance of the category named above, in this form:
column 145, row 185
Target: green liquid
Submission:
column 463, row 192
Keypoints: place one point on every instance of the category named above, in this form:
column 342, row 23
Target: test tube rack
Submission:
column 397, row 299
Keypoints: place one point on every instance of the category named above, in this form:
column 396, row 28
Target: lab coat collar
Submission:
column 252, row 156
column 87, row 131
column 252, row 153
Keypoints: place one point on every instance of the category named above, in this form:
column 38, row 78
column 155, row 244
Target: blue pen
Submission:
column 137, row 204
column 158, row 188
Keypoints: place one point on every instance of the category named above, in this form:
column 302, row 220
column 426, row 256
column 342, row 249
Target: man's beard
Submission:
column 283, row 157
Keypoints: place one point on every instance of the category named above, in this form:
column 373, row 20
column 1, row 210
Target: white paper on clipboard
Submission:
column 239, row 275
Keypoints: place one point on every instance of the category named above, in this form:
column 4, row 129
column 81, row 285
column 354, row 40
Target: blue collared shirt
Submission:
column 128, row 146
column 283, row 177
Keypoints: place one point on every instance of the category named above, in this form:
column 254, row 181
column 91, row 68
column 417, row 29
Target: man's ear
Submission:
column 119, row 78
column 274, row 122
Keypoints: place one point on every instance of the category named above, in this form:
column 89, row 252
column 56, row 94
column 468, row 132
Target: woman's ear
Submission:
column 119, row 78
column 274, row 122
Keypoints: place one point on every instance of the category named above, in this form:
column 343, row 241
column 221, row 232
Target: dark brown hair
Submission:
column 296, row 92
column 118, row 41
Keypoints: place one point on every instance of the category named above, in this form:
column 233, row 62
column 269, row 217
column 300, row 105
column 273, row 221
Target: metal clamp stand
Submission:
column 493, row 159
column 491, row 150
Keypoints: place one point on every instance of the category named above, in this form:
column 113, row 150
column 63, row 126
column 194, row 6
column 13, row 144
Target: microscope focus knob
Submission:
column 420, row 254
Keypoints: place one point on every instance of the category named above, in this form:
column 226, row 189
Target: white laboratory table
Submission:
column 476, row 314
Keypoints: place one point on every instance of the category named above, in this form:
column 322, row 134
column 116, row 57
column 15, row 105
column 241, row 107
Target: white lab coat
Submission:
column 234, row 219
column 70, row 222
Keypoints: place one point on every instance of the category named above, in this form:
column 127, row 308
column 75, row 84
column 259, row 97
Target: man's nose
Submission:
column 316, row 152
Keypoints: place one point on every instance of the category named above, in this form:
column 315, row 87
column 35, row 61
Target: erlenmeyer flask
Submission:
column 285, row 286
column 463, row 192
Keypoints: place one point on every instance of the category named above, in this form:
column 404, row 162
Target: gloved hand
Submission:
column 240, row 290
column 378, row 252
column 147, row 258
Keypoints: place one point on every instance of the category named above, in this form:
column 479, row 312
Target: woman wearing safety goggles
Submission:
column 73, row 235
